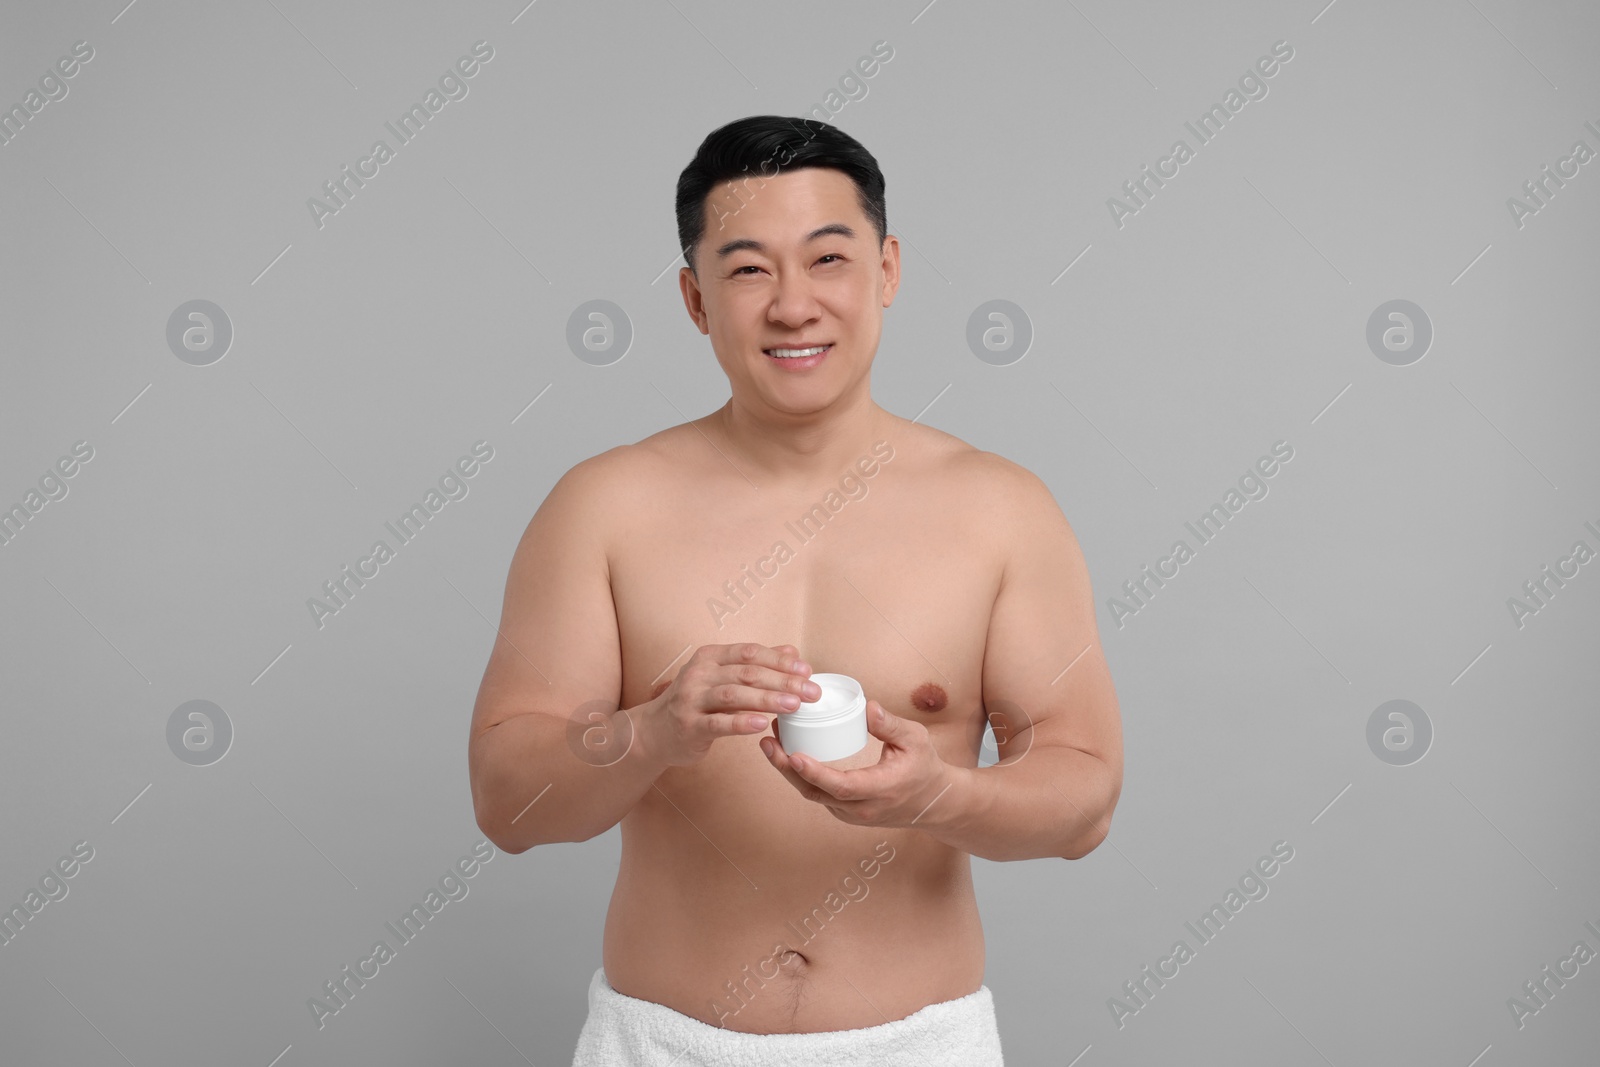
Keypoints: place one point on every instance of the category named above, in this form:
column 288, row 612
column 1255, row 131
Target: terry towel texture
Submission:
column 624, row 1031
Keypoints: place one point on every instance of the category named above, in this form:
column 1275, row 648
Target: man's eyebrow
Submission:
column 832, row 229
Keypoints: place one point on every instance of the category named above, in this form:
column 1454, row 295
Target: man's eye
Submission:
column 823, row 259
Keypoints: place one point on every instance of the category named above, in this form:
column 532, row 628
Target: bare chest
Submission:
column 893, row 588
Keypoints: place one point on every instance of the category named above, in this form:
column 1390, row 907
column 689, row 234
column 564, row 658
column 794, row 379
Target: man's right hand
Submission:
column 718, row 693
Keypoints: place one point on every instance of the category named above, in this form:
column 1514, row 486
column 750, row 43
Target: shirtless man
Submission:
column 670, row 598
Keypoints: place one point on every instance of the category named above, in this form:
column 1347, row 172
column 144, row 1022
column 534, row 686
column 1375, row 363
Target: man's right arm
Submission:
column 556, row 658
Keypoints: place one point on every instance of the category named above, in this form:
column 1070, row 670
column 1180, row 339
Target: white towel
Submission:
column 624, row 1031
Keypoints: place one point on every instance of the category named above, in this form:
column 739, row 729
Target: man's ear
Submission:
column 689, row 285
column 891, row 268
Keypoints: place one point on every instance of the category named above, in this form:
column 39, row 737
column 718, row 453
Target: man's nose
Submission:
column 795, row 301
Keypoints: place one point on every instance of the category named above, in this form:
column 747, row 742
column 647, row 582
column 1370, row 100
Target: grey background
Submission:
column 369, row 354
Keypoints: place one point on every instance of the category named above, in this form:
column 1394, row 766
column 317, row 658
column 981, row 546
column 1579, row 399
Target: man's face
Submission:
column 791, row 262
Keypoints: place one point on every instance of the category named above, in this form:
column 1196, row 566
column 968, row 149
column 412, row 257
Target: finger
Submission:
column 772, row 748
column 796, row 662
column 840, row 785
column 717, row 725
column 782, row 658
column 730, row 696
column 758, row 677
column 884, row 726
column 784, row 762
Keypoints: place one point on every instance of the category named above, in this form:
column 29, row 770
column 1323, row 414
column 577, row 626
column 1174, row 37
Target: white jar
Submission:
column 831, row 728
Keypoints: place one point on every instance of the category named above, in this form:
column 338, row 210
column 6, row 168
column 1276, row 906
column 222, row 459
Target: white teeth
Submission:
column 796, row 353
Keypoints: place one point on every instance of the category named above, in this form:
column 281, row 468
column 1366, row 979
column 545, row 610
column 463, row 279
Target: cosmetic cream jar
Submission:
column 833, row 727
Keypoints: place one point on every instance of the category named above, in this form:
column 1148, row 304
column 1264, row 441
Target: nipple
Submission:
column 929, row 697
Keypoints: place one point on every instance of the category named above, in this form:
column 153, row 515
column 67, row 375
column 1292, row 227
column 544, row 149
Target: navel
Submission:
column 929, row 697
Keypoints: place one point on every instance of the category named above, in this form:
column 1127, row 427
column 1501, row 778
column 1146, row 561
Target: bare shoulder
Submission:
column 1003, row 492
column 1006, row 483
column 588, row 485
column 619, row 474
column 577, row 518
column 608, row 499
column 1021, row 524
column 1019, row 508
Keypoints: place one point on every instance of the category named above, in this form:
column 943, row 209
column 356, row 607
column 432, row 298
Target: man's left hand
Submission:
column 909, row 775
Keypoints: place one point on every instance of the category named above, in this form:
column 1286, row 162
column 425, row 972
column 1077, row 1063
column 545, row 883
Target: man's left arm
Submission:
column 1048, row 692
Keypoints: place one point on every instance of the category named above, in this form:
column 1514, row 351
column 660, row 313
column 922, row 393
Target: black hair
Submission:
column 761, row 146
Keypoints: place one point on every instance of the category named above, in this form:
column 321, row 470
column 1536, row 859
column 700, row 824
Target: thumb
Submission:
column 882, row 724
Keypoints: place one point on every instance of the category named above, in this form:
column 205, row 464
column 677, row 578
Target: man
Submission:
column 671, row 598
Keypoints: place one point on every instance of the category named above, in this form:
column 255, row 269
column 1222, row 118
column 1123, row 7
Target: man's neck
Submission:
column 798, row 451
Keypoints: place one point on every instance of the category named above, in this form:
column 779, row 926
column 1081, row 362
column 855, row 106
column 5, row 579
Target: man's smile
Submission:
column 799, row 357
